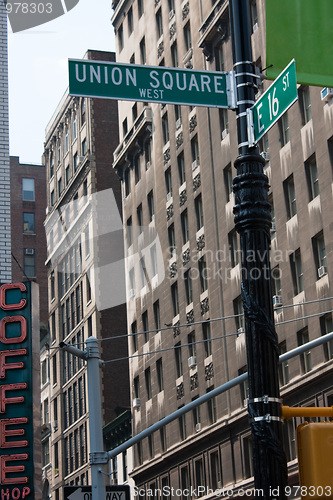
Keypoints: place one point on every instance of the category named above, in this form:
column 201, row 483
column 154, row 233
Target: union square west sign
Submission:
column 19, row 391
column 135, row 82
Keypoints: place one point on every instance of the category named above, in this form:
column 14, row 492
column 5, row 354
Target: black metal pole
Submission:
column 253, row 222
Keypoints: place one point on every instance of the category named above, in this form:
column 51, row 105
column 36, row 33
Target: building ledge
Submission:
column 215, row 26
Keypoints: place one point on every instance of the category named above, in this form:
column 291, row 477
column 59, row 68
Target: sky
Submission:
column 38, row 74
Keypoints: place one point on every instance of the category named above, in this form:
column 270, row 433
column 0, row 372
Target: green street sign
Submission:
column 272, row 104
column 134, row 82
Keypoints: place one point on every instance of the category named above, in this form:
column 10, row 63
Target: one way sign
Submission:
column 119, row 492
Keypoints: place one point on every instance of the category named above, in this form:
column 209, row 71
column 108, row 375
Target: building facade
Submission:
column 80, row 140
column 5, row 234
column 186, row 330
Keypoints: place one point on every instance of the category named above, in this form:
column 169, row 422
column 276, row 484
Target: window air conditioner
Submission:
column 136, row 403
column 224, row 133
column 265, row 155
column 277, row 301
column 147, row 165
column 29, row 251
column 273, row 228
column 198, row 427
column 192, row 361
column 326, row 93
column 240, row 330
column 131, row 293
column 322, row 271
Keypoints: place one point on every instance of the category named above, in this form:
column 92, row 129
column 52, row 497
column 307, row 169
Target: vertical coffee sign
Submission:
column 19, row 384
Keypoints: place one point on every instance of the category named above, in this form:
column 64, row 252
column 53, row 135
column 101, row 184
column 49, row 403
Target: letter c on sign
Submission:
column 13, row 319
column 11, row 286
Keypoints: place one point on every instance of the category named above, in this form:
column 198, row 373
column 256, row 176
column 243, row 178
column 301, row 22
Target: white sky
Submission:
column 38, row 75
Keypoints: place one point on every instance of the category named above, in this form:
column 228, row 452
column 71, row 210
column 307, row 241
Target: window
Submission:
column 74, row 126
column 51, row 164
column 284, row 129
column 148, row 383
column 188, row 287
column 165, row 128
column 29, row 262
column 125, row 127
column 130, row 20
column 227, row 174
column 248, row 457
column 181, row 168
column 297, row 272
column 83, row 111
column 139, row 217
column 172, row 240
column 254, row 15
column 84, row 147
column 147, row 154
column 140, row 7
column 150, row 199
column 153, row 260
column 305, row 103
column 244, row 386
column 203, row 274
column 311, row 171
column 305, row 357
column 290, row 196
column 326, row 326
column 199, row 475
column 87, row 241
column 127, row 181
column 129, row 231
column 159, row 372
column 206, row 335
column 157, row 316
column 239, row 314
column 178, row 360
column 143, row 51
column 134, row 337
column 174, row 55
column 195, row 150
column 211, row 407
column 171, row 4
column 185, row 227
column 224, row 122
column 215, row 470
column 187, row 36
column 199, row 212
column 191, row 344
column 174, row 297
column 67, row 175
column 163, row 448
column 284, row 366
column 233, row 245
column 178, row 115
column 219, row 58
column 276, row 281
column 182, row 428
column 28, row 222
column 159, row 23
column 168, row 182
column 319, row 252
column 196, row 417
column 145, row 325
column 134, row 112
column 137, row 169
column 28, row 189
column 137, row 387
column 75, row 162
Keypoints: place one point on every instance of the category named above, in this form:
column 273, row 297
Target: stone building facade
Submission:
column 186, row 329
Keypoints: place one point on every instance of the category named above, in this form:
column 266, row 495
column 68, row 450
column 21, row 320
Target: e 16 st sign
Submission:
column 134, row 82
column 272, row 104
column 17, row 431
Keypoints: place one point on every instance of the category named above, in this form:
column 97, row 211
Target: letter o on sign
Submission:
column 13, row 319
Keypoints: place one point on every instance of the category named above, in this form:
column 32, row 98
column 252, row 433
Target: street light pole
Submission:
column 253, row 222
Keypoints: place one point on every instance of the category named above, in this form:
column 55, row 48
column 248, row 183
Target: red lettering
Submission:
column 3, row 493
column 25, row 491
column 12, row 286
column 13, row 319
column 10, row 366
column 4, row 432
column 10, row 387
column 10, row 469
column 16, row 494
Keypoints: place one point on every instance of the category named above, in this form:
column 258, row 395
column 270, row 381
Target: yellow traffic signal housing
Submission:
column 315, row 452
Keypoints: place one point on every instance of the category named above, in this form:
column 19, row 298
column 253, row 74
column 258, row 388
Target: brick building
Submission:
column 176, row 164
column 79, row 144
column 5, row 259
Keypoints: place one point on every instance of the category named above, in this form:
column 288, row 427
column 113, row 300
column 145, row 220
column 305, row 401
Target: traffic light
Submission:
column 315, row 451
